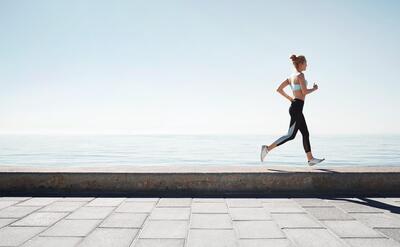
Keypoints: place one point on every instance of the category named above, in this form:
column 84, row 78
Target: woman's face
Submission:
column 303, row 66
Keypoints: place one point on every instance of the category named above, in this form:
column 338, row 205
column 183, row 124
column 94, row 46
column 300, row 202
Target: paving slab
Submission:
column 377, row 220
column 53, row 241
column 159, row 243
column 174, row 202
column 211, row 221
column 91, row 213
column 105, row 202
column 265, row 243
column 313, row 238
column 249, row 214
column 5, row 222
column 209, row 207
column 136, row 207
column 15, row 236
column 257, row 229
column 296, row 221
column 106, row 237
column 243, row 203
column 393, row 233
column 357, row 208
column 39, row 201
column 5, row 204
column 40, row 219
column 63, row 206
column 220, row 200
column 125, row 220
column 142, row 199
column 16, row 212
column 71, row 228
column 16, row 198
column 351, row 229
column 313, row 202
column 283, row 207
column 164, row 229
column 179, row 213
column 371, row 242
column 328, row 213
column 211, row 238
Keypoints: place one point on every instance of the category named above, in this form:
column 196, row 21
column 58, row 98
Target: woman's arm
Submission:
column 281, row 91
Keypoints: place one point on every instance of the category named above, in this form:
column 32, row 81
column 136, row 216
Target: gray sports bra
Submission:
column 296, row 87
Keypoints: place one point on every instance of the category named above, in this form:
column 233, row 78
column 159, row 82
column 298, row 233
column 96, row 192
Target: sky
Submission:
column 196, row 67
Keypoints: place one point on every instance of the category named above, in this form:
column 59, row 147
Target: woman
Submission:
column 297, row 120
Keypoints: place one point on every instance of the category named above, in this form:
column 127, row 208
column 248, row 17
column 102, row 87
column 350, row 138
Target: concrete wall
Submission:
column 370, row 182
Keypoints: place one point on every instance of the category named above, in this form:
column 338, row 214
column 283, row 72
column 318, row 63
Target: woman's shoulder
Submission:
column 296, row 75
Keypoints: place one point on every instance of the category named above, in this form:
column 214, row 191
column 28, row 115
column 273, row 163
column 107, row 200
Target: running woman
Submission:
column 297, row 121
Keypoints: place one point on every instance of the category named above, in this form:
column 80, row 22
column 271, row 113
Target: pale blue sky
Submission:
column 178, row 67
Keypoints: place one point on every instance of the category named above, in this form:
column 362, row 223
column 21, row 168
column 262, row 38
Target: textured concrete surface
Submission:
column 200, row 181
column 199, row 222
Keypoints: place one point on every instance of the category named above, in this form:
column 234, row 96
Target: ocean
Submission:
column 207, row 150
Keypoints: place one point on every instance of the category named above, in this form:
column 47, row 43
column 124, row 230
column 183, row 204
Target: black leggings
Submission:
column 297, row 122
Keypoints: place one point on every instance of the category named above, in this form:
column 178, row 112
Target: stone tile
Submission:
column 377, row 220
column 53, row 241
column 105, row 202
column 328, row 213
column 313, row 202
column 91, row 213
column 265, row 242
column 5, row 204
column 296, row 221
column 75, row 199
column 164, row 229
column 209, row 207
column 105, row 237
column 159, row 243
column 135, row 207
column 211, row 221
column 40, row 219
column 15, row 236
column 16, row 198
column 170, row 214
column 313, row 237
column 257, row 229
column 244, row 203
column 142, row 199
column 16, row 212
column 124, row 220
column 74, row 228
column 249, row 214
column 276, row 200
column 39, row 201
column 63, row 206
column 283, row 207
column 211, row 238
column 351, row 229
column 4, row 222
column 174, row 202
column 393, row 233
column 219, row 200
column 371, row 242
column 357, row 208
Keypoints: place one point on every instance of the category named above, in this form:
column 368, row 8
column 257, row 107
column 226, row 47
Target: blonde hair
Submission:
column 297, row 60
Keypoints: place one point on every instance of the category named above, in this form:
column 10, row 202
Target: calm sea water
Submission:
column 213, row 150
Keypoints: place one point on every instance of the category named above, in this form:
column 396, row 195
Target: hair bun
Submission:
column 293, row 57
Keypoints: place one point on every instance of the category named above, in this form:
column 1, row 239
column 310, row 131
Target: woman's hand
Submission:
column 315, row 86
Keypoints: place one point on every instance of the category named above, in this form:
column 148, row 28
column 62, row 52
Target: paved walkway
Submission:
column 199, row 222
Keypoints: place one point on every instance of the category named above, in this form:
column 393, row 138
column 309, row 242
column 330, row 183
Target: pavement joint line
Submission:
column 147, row 219
column 98, row 224
column 341, row 240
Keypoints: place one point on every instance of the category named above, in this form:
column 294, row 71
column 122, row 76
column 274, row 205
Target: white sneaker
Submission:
column 264, row 152
column 314, row 161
